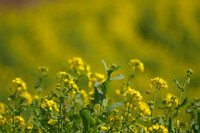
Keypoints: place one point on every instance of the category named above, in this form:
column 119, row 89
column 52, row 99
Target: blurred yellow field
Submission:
column 164, row 35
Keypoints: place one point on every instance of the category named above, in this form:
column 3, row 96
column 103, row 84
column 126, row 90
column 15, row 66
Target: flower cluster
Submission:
column 136, row 64
column 104, row 128
column 159, row 83
column 28, row 96
column 144, row 108
column 130, row 117
column 158, row 128
column 19, row 83
column 115, row 118
column 133, row 94
column 52, row 121
column 170, row 100
column 49, row 104
column 3, row 108
column 68, row 81
column 96, row 77
column 19, row 120
column 2, row 120
column 78, row 66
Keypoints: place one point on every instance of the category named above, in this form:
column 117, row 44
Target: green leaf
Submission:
column 177, row 83
column 105, row 65
column 98, row 96
column 114, row 106
column 96, row 84
column 105, row 87
column 170, row 127
column 183, row 103
column 198, row 117
column 195, row 127
column 114, row 67
column 118, row 77
column 87, row 119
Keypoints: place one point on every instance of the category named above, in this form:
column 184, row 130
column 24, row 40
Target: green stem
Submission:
column 61, row 109
column 168, row 112
column 153, row 107
column 13, row 116
column 177, row 110
column 61, row 116
column 128, row 113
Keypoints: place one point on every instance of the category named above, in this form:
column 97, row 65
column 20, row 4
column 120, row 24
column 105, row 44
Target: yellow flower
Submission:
column 49, row 104
column 3, row 109
column 96, row 77
column 159, row 128
column 132, row 93
column 52, row 121
column 2, row 120
column 30, row 127
column 136, row 64
column 43, row 68
column 171, row 99
column 19, row 120
column 105, row 128
column 117, row 91
column 79, row 66
column 144, row 108
column 36, row 97
column 68, row 80
column 159, row 83
column 27, row 96
column 19, row 83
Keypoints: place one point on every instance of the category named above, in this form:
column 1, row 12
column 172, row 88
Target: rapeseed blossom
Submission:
column 3, row 108
column 96, row 77
column 2, row 120
column 159, row 83
column 68, row 80
column 49, row 104
column 27, row 96
column 133, row 94
column 171, row 99
column 52, row 121
column 144, row 108
column 19, row 83
column 158, row 128
column 78, row 66
column 136, row 64
column 104, row 128
column 19, row 120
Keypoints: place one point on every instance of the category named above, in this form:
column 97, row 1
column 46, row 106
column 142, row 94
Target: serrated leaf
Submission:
column 183, row 103
column 118, row 77
column 105, row 87
column 105, row 65
column 114, row 106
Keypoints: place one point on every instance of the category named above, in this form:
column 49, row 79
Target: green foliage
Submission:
column 70, row 109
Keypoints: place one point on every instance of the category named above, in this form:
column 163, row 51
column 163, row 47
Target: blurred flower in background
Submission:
column 164, row 35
